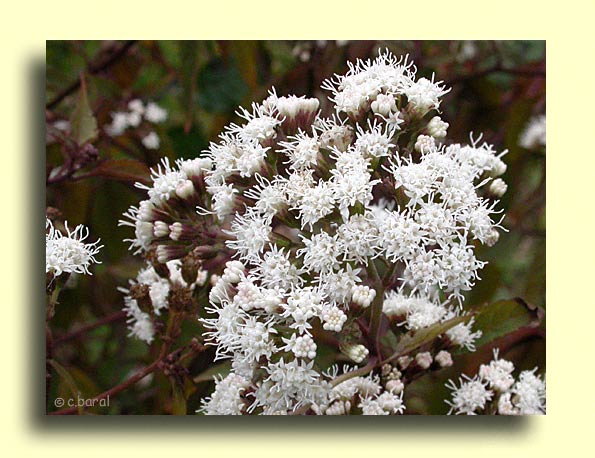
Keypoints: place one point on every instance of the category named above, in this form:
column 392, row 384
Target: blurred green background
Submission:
column 497, row 86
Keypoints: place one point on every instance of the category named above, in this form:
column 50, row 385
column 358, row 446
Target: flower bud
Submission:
column 384, row 104
column 424, row 143
column 437, row 128
column 424, row 360
column 443, row 358
column 498, row 187
column 363, row 295
column 357, row 353
column 160, row 229
column 185, row 189
column 395, row 386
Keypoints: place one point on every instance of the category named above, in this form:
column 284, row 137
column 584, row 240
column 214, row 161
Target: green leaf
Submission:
column 187, row 145
column 220, row 369
column 83, row 123
column 188, row 72
column 67, row 378
column 179, row 400
column 503, row 317
column 415, row 339
column 221, row 87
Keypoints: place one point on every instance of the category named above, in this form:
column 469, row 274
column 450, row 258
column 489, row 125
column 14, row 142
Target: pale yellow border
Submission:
column 569, row 30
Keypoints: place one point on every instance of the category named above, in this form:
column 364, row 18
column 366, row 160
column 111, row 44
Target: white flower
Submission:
column 529, row 394
column 119, row 124
column 388, row 403
column 68, row 253
column 277, row 271
column 301, row 346
column 255, row 340
column 165, row 181
column 357, row 238
column 354, row 92
column 462, row 335
column 424, row 95
column 302, row 305
column 302, row 150
column 155, row 114
column 260, row 125
column 423, row 312
column 338, row 285
column 312, row 210
column 133, row 118
column 534, row 135
column 136, row 106
column 315, row 203
column 227, row 397
column 158, row 292
column 375, row 141
column 295, row 111
column 333, row 133
column 350, row 187
column 223, row 199
column 498, row 373
column 320, row 252
column 270, row 197
column 290, row 385
column 523, row 397
column 395, row 304
column 139, row 322
column 151, row 141
column 252, row 232
column 398, row 234
column 470, row 397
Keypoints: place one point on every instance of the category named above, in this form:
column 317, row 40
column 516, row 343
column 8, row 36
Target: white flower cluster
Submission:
column 534, row 134
column 173, row 196
column 495, row 383
column 137, row 111
column 366, row 394
column 326, row 219
column 68, row 253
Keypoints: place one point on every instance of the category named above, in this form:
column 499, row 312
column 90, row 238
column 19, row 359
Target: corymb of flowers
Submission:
column 357, row 230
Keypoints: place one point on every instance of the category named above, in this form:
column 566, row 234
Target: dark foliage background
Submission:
column 497, row 87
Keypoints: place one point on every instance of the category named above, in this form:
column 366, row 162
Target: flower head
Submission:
column 68, row 252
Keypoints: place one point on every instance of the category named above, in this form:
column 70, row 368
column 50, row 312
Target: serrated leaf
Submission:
column 503, row 317
column 82, row 122
column 122, row 170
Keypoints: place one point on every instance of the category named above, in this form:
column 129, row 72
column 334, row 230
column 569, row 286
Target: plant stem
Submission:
column 122, row 386
column 376, row 308
column 356, row 373
column 117, row 316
